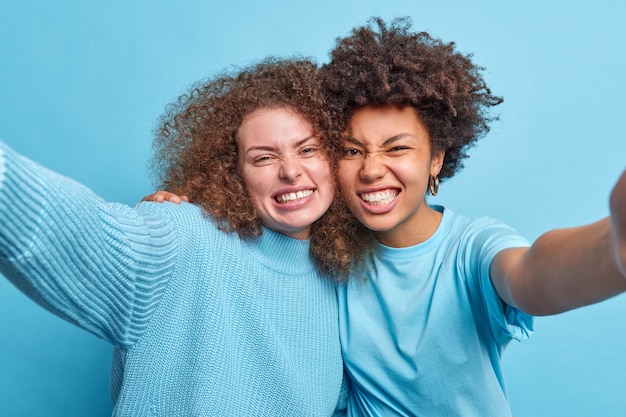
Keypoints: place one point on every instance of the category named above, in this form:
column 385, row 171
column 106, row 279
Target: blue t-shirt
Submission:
column 423, row 334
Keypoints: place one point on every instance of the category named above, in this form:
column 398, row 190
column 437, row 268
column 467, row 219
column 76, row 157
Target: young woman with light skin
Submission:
column 218, row 308
column 285, row 170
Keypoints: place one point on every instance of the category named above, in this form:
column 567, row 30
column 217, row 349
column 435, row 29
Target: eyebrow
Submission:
column 271, row 148
column 388, row 141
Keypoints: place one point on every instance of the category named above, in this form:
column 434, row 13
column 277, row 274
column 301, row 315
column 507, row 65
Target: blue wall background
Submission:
column 83, row 83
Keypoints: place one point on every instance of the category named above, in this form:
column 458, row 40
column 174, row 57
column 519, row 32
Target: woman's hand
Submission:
column 161, row 196
column 618, row 222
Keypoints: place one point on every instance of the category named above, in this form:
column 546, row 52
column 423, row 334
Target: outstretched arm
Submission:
column 567, row 268
column 99, row 265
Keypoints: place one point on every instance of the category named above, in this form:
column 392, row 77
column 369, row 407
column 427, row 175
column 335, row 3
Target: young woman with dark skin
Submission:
column 423, row 330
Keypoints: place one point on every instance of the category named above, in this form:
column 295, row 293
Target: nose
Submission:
column 372, row 168
column 290, row 169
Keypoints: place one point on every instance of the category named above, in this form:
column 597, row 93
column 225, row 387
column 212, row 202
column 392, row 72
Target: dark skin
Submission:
column 389, row 151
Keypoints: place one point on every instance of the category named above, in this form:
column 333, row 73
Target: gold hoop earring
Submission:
column 433, row 185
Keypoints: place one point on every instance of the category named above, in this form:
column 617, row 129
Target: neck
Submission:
column 419, row 228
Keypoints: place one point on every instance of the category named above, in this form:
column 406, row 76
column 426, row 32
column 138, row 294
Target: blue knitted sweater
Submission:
column 202, row 322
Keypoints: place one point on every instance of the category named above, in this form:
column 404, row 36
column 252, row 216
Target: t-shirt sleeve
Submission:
column 485, row 238
column 99, row 265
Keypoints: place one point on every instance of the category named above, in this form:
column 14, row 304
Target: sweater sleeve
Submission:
column 102, row 266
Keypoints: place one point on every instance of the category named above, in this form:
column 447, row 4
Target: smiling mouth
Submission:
column 379, row 198
column 291, row 197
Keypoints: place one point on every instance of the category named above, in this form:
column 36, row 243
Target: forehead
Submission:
column 383, row 122
column 273, row 125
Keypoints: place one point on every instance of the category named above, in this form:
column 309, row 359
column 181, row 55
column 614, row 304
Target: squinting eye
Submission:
column 398, row 148
column 350, row 152
column 263, row 160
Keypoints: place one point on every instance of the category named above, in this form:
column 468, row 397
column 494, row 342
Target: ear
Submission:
column 436, row 162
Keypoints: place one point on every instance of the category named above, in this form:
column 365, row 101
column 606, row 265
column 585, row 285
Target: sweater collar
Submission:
column 281, row 253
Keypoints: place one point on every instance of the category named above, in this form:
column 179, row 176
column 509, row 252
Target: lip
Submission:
column 379, row 208
column 298, row 202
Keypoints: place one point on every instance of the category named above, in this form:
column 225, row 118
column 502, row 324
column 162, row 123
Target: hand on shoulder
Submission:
column 161, row 196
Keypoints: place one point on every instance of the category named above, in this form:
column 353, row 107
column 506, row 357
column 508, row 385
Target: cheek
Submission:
column 346, row 188
column 344, row 175
column 248, row 184
column 319, row 171
column 255, row 186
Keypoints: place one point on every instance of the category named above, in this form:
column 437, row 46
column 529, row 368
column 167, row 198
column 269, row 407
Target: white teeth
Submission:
column 380, row 197
column 284, row 198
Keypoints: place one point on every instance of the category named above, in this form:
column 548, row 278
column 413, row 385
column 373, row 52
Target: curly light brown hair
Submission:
column 387, row 64
column 195, row 147
column 394, row 66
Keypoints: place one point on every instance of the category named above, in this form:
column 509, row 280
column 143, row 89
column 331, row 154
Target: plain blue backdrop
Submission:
column 82, row 85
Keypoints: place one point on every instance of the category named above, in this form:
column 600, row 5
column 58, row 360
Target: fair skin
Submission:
column 387, row 154
column 285, row 170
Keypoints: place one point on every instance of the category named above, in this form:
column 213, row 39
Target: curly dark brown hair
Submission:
column 387, row 64
column 393, row 65
column 195, row 147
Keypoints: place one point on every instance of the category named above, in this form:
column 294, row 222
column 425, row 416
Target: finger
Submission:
column 150, row 197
